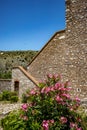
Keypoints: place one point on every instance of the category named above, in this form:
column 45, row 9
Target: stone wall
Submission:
column 50, row 58
column 24, row 82
column 5, row 84
column 76, row 39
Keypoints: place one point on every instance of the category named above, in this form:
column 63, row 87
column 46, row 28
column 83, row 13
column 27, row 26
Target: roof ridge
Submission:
column 28, row 75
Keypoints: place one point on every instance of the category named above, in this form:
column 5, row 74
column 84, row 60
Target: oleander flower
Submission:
column 45, row 125
column 57, row 85
column 73, row 125
column 66, row 95
column 59, row 99
column 79, row 128
column 32, row 92
column 77, row 99
column 63, row 120
column 52, row 121
column 24, row 107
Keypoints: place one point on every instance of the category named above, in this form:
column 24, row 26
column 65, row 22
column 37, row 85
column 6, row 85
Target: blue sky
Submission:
column 29, row 24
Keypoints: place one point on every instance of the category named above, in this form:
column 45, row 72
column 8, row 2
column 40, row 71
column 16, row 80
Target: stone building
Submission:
column 65, row 53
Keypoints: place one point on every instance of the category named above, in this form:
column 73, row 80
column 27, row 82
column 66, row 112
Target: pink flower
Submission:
column 47, row 89
column 51, row 121
column 66, row 95
column 32, row 92
column 49, row 75
column 73, row 125
column 77, row 99
column 62, row 85
column 71, row 108
column 67, row 83
column 63, row 120
column 42, row 81
column 79, row 119
column 58, row 99
column 63, row 103
column 45, row 125
column 52, row 88
column 30, row 105
column 43, row 90
column 62, row 89
column 24, row 107
column 79, row 128
column 25, row 118
column 57, row 85
column 68, row 89
column 55, row 76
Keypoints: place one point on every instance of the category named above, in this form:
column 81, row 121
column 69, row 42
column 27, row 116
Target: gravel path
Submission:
column 6, row 108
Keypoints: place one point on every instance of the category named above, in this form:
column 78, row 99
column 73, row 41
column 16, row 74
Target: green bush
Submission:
column 6, row 95
column 13, row 93
column 24, row 98
column 5, row 75
column 13, row 122
column 85, row 122
column 9, row 96
column 13, row 99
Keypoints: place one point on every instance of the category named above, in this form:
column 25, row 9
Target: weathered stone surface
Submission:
column 49, row 59
column 76, row 39
column 5, row 84
column 24, row 82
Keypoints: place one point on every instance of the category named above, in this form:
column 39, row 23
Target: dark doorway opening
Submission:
column 16, row 86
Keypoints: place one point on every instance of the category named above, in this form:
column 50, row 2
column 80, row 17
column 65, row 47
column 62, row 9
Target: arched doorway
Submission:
column 16, row 86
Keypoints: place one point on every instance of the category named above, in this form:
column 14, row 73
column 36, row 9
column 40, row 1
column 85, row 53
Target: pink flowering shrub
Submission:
column 50, row 107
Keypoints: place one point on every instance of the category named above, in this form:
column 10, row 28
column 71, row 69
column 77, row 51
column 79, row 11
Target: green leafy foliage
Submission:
column 24, row 98
column 13, row 99
column 13, row 122
column 9, row 96
column 5, row 75
column 6, row 95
